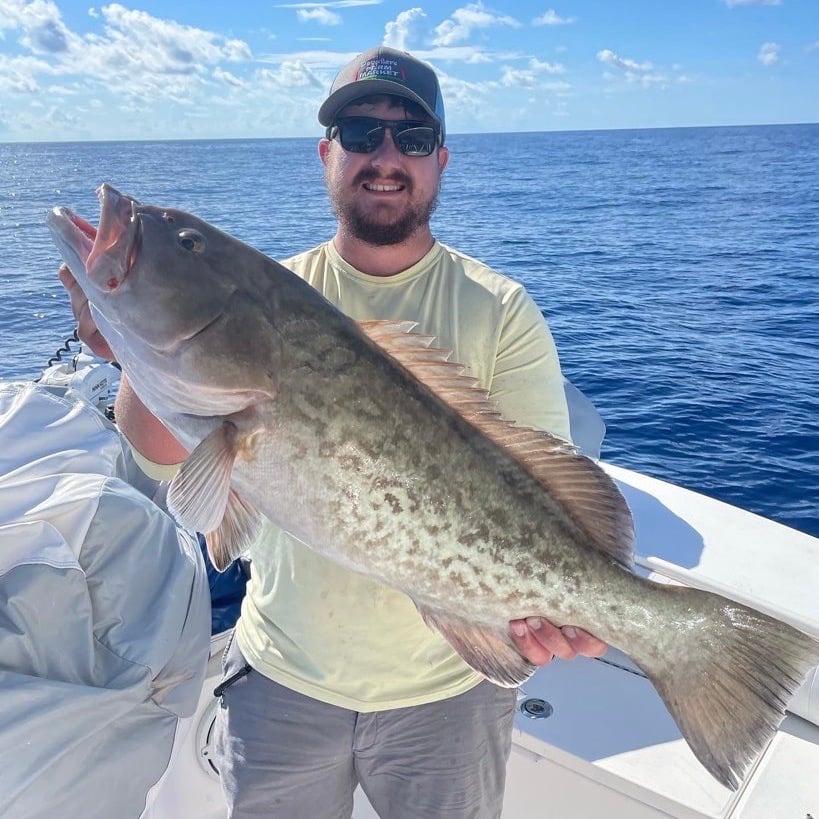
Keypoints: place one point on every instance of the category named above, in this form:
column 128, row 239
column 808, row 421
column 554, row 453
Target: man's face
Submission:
column 383, row 197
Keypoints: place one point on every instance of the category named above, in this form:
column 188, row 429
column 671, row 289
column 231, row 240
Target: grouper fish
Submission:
column 367, row 443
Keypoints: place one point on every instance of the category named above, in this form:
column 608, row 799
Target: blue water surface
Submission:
column 678, row 269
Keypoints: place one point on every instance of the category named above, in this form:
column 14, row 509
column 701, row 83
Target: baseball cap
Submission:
column 385, row 70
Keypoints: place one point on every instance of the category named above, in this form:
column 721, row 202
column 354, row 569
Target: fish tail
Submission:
column 729, row 684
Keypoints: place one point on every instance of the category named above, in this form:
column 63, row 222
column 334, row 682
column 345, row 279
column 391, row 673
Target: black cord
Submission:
column 66, row 348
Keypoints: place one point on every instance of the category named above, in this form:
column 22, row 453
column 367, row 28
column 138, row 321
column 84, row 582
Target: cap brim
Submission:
column 366, row 88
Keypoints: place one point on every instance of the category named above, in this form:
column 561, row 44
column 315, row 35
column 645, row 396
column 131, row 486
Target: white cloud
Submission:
column 462, row 54
column 464, row 20
column 141, row 56
column 400, row 32
column 517, row 78
column 292, row 74
column 18, row 74
column 321, row 15
column 546, row 68
column 732, row 3
column 552, row 18
column 166, row 45
column 635, row 73
column 769, row 53
column 464, row 96
column 334, row 4
column 229, row 79
column 40, row 25
column 521, row 78
column 532, row 76
column 610, row 58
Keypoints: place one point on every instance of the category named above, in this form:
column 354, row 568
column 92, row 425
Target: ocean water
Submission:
column 678, row 269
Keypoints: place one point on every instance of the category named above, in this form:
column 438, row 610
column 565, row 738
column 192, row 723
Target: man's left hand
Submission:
column 539, row 641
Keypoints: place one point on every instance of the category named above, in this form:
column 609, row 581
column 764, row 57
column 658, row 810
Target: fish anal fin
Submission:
column 589, row 498
column 486, row 650
column 240, row 526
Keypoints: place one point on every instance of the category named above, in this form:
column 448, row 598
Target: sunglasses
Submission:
column 363, row 135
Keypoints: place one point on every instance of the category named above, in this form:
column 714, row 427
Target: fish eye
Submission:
column 191, row 240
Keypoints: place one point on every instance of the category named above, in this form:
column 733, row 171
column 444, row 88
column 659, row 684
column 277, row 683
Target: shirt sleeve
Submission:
column 155, row 471
column 527, row 382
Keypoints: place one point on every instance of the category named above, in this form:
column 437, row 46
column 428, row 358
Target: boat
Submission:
column 592, row 737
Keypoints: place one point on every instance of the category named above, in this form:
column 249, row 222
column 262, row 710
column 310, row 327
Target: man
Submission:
column 333, row 680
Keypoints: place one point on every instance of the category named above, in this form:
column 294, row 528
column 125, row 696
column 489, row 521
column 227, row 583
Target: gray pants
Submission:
column 282, row 755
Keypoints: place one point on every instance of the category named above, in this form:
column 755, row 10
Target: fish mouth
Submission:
column 75, row 237
column 83, row 233
column 107, row 253
column 117, row 240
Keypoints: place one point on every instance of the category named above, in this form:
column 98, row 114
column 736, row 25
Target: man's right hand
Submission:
column 86, row 326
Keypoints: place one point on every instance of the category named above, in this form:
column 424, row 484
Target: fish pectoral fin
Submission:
column 490, row 652
column 201, row 498
column 198, row 494
column 233, row 537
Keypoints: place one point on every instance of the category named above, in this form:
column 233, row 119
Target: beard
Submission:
column 380, row 227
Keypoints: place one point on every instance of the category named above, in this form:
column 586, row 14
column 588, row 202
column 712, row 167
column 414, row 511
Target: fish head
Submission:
column 176, row 299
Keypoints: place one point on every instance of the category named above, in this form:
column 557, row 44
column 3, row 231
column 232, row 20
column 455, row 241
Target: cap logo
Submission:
column 381, row 68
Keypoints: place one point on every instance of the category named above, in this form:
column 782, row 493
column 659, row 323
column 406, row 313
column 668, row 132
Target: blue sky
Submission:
column 145, row 69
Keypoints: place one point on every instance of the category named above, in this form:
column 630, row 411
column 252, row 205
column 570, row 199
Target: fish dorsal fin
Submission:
column 587, row 495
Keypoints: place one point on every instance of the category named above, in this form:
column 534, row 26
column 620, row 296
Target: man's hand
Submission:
column 539, row 641
column 86, row 327
column 145, row 432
